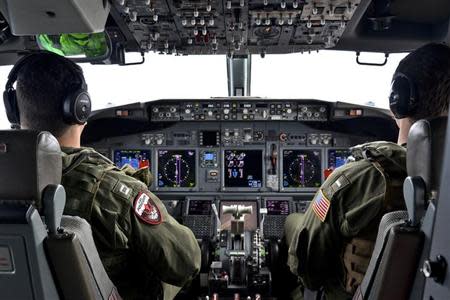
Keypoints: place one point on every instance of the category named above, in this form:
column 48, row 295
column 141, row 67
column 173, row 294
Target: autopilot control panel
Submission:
column 233, row 170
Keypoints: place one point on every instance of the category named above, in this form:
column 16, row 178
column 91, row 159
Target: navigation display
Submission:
column 337, row 158
column 250, row 220
column 199, row 207
column 136, row 158
column 302, row 168
column 176, row 168
column 243, row 168
column 277, row 207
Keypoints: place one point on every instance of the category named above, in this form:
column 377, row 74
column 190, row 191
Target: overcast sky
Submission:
column 328, row 75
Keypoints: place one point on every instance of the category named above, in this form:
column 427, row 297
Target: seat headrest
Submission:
column 29, row 162
column 425, row 151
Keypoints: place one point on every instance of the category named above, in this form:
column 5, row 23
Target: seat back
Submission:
column 403, row 237
column 51, row 260
column 29, row 163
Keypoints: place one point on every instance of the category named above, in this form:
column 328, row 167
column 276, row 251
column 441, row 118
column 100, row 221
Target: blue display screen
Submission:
column 209, row 156
column 337, row 157
column 136, row 158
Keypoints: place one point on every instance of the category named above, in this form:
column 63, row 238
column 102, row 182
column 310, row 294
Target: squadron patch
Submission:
column 146, row 209
column 321, row 205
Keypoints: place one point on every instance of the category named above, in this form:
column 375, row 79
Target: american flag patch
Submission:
column 321, row 205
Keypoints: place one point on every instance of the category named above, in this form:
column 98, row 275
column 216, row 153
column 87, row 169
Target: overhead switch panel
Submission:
column 236, row 27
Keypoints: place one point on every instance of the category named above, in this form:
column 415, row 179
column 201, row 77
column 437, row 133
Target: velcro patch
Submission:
column 146, row 210
column 338, row 185
column 321, row 205
column 122, row 190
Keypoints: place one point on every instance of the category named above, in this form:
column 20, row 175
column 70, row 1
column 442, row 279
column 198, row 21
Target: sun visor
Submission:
column 31, row 17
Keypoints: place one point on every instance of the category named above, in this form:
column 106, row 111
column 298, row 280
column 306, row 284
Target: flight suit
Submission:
column 331, row 244
column 143, row 249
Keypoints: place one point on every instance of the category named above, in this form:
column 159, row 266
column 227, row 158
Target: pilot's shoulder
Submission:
column 360, row 176
column 385, row 149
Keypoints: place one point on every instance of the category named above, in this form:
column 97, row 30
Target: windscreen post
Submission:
column 239, row 75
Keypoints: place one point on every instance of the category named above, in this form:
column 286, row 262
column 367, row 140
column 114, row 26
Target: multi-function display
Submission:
column 337, row 157
column 243, row 168
column 277, row 207
column 302, row 168
column 199, row 207
column 176, row 168
column 136, row 158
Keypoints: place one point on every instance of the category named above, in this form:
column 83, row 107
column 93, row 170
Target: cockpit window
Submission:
column 328, row 75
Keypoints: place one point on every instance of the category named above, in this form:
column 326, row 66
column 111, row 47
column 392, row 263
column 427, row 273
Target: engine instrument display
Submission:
column 176, row 168
column 250, row 220
column 199, row 207
column 337, row 158
column 277, row 207
column 136, row 158
column 209, row 138
column 302, row 168
column 243, row 168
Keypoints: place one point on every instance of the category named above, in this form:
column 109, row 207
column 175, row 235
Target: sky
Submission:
column 327, row 75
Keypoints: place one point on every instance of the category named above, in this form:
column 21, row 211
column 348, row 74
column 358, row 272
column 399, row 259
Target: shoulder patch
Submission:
column 340, row 183
column 321, row 205
column 146, row 210
column 122, row 190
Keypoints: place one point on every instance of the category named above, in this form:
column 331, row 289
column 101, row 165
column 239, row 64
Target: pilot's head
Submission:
column 421, row 83
column 52, row 95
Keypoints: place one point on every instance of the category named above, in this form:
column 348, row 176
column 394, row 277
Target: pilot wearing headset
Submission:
column 146, row 252
column 331, row 244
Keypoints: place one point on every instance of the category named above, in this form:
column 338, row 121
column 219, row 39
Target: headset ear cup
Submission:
column 402, row 99
column 83, row 107
column 11, row 108
column 77, row 107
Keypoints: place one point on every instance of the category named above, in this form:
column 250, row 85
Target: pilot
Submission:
column 331, row 244
column 145, row 251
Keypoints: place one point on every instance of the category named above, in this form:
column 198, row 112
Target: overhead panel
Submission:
column 235, row 27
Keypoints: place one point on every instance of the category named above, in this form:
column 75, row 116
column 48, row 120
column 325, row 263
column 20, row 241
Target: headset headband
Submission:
column 14, row 73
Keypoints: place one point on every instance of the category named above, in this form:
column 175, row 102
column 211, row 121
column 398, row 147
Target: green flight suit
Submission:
column 331, row 244
column 142, row 254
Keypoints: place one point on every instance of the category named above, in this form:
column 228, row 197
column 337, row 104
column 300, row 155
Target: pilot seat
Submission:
column 404, row 237
column 43, row 254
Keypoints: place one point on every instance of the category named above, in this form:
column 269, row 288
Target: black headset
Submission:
column 403, row 96
column 77, row 102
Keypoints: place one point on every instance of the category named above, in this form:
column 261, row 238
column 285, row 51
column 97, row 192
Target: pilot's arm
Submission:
column 159, row 243
column 350, row 200
column 170, row 248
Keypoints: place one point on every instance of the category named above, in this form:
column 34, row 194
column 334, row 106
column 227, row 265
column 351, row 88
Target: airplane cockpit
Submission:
column 233, row 168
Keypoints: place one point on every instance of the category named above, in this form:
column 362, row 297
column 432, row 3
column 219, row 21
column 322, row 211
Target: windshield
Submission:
column 328, row 75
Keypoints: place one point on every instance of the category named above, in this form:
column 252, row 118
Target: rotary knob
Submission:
column 283, row 137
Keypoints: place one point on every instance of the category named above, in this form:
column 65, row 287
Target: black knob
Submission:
column 435, row 269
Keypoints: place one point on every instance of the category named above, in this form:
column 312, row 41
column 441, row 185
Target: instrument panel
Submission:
column 233, row 170
column 232, row 145
column 258, row 157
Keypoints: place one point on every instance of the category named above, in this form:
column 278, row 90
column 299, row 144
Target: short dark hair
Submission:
column 42, row 84
column 429, row 68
